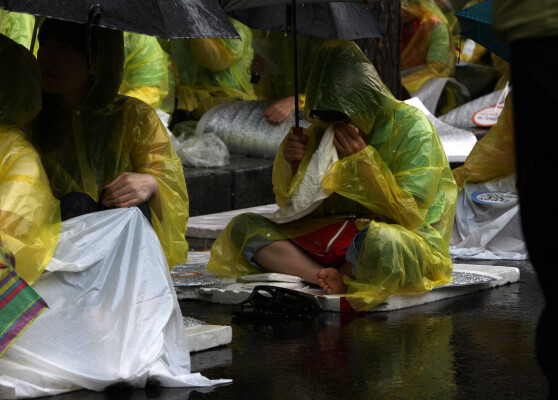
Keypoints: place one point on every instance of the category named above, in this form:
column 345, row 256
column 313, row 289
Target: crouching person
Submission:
column 381, row 218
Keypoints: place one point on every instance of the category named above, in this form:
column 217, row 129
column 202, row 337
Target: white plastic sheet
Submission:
column 484, row 231
column 113, row 314
column 206, row 150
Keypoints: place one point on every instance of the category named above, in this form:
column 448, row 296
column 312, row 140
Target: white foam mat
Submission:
column 192, row 282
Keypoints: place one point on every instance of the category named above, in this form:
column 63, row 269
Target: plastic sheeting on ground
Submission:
column 488, row 227
column 113, row 314
column 244, row 129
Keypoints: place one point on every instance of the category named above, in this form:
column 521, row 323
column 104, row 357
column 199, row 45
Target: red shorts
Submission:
column 328, row 245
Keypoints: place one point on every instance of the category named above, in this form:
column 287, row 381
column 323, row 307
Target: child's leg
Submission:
column 285, row 257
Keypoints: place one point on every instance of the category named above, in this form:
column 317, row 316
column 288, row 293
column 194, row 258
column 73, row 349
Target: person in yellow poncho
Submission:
column 426, row 44
column 17, row 26
column 29, row 213
column 145, row 69
column 274, row 67
column 101, row 149
column 211, row 70
column 392, row 174
column 493, row 156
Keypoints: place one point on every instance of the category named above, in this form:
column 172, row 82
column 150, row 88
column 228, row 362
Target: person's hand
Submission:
column 130, row 189
column 258, row 65
column 280, row 110
column 295, row 148
column 347, row 139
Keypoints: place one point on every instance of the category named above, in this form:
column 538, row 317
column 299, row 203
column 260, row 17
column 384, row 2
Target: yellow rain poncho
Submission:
column 145, row 69
column 212, row 71
column 17, row 26
column 29, row 213
column 277, row 48
column 430, row 52
column 493, row 156
column 113, row 134
column 401, row 182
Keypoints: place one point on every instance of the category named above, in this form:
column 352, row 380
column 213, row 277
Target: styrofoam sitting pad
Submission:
column 205, row 336
column 192, row 282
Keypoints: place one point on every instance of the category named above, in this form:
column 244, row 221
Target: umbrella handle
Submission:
column 297, row 130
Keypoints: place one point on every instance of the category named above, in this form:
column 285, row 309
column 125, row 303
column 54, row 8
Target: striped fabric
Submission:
column 19, row 303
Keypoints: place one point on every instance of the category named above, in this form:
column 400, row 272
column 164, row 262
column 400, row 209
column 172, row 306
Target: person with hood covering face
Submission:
column 100, row 149
column 426, row 44
column 29, row 213
column 392, row 175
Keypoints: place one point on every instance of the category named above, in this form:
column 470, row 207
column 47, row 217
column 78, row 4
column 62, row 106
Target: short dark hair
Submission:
column 69, row 32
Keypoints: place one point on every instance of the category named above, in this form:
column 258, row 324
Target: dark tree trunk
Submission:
column 385, row 53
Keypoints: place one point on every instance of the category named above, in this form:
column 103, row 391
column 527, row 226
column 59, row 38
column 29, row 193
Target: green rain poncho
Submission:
column 401, row 181
column 29, row 213
column 17, row 26
column 430, row 52
column 113, row 134
column 145, row 69
column 212, row 71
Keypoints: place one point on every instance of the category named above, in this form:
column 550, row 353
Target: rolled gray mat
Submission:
column 244, row 129
column 462, row 116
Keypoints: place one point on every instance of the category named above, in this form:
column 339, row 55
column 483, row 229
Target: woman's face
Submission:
column 63, row 69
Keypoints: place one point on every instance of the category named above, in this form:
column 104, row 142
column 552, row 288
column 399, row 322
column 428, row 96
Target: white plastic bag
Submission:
column 113, row 314
column 206, row 150
column 484, row 230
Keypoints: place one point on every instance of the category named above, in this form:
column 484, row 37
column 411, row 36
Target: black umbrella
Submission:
column 168, row 19
column 323, row 19
column 326, row 20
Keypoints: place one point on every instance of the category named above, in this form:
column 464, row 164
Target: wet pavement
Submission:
column 477, row 346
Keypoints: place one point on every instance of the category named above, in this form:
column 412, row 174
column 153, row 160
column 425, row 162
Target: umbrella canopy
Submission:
column 168, row 19
column 230, row 5
column 476, row 24
column 324, row 20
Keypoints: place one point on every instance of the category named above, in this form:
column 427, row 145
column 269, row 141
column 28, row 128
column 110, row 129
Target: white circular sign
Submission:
column 494, row 198
column 487, row 116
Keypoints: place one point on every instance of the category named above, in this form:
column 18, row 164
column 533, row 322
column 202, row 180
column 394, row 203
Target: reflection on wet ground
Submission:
column 478, row 346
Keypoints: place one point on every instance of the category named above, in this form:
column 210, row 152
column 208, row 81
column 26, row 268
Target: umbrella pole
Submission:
column 34, row 35
column 297, row 130
column 295, row 49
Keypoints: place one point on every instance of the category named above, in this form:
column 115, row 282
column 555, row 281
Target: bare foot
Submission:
column 331, row 281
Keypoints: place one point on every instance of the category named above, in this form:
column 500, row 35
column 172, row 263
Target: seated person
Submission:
column 426, row 45
column 29, row 213
column 489, row 230
column 392, row 177
column 100, row 149
column 112, row 316
column 211, row 71
column 145, row 69
column 273, row 67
